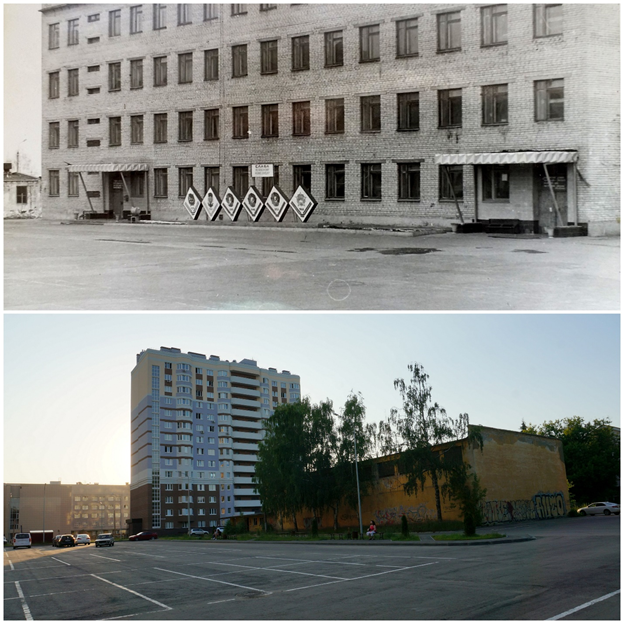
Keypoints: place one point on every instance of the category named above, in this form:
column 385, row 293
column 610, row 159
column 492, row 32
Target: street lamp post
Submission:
column 357, row 478
column 44, row 501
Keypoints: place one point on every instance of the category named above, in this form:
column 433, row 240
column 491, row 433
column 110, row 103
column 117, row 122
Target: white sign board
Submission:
column 261, row 171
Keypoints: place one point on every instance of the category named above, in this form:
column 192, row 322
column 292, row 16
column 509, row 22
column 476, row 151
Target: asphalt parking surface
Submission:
column 119, row 266
column 571, row 571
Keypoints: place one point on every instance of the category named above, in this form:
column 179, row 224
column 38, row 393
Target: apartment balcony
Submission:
column 246, row 424
column 234, row 378
column 249, row 469
column 240, row 446
column 247, row 413
column 241, row 481
column 245, row 456
column 246, row 491
column 247, row 504
column 245, row 391
column 245, row 402
column 256, row 436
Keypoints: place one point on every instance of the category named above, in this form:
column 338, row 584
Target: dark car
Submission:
column 64, row 540
column 144, row 535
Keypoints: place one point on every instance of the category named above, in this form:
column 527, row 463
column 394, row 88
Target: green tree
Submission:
column 591, row 452
column 413, row 433
column 465, row 491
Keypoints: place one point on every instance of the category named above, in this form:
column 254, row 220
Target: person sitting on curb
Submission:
column 372, row 530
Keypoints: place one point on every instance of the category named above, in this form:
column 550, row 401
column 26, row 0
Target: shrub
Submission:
column 404, row 527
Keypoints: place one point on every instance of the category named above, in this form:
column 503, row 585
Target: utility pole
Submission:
column 44, row 489
column 357, row 478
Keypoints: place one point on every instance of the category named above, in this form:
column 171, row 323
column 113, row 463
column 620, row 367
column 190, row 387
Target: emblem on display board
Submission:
column 302, row 203
column 231, row 204
column 193, row 202
column 253, row 203
column 276, row 203
column 211, row 203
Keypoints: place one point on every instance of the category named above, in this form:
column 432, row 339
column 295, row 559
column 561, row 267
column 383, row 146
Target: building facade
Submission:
column 381, row 113
column 196, row 424
column 56, row 508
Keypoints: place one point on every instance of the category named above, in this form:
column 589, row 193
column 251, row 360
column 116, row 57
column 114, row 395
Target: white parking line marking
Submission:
column 25, row 608
column 68, row 576
column 144, row 555
column 218, row 601
column 584, row 606
column 203, row 578
column 160, row 604
column 60, row 561
column 109, row 558
column 316, row 561
column 10, row 562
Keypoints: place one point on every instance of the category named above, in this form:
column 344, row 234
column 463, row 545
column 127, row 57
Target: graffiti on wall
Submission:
column 393, row 515
column 542, row 505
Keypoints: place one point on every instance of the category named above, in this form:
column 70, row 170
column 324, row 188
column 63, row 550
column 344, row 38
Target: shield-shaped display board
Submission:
column 231, row 204
column 193, row 202
column 211, row 203
column 253, row 203
column 276, row 203
column 302, row 203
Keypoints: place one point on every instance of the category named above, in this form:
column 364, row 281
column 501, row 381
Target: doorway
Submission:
column 545, row 212
column 116, row 195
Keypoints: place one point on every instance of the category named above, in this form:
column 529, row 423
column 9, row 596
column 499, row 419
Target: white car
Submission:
column 83, row 538
column 105, row 539
column 199, row 532
column 603, row 508
column 22, row 540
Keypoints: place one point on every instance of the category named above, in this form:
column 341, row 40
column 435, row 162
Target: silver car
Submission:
column 603, row 508
column 105, row 539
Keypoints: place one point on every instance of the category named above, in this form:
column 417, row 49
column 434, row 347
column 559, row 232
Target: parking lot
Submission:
column 569, row 564
column 117, row 266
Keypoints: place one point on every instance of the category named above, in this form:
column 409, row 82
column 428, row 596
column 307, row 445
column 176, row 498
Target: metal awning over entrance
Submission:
column 108, row 167
column 507, row 158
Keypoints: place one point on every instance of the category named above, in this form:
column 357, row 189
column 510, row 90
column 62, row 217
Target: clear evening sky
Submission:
column 67, row 376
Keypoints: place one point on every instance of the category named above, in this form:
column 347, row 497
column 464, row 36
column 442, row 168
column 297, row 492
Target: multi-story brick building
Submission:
column 384, row 113
column 55, row 508
column 196, row 423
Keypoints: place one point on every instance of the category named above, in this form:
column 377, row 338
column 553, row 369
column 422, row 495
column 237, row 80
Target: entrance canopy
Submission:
column 108, row 167
column 506, row 158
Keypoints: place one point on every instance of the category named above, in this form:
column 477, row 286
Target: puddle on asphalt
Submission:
column 529, row 251
column 400, row 251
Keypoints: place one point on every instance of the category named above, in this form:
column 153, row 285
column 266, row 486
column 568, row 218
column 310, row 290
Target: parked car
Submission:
column 83, row 538
column 199, row 532
column 56, row 539
column 603, row 508
column 105, row 539
column 22, row 540
column 144, row 535
column 66, row 540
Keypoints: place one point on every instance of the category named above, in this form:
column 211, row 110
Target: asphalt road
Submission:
column 571, row 568
column 118, row 266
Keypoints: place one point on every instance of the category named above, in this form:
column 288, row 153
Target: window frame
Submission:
column 54, row 85
column 185, row 180
column 161, row 128
column 268, row 57
column 114, row 131
column 371, row 181
column 137, row 128
column 270, row 120
column 54, row 182
column 490, row 181
column 211, row 64
column 301, row 118
column 73, row 31
column 548, row 100
column 370, row 42
column 54, row 135
column 211, row 13
column 545, row 21
column 159, row 15
column 212, row 121
column 21, row 194
column 491, row 100
column 185, row 126
column 403, row 47
column 239, row 60
column 240, row 184
column 160, row 71
column 136, row 19
column 213, row 172
column 300, row 53
column 161, row 182
column 240, row 122
column 73, row 133
column 489, row 19
column 185, row 67
column 136, row 73
column 370, row 114
column 302, row 176
column 444, row 186
column 114, row 76
column 334, row 48
column 54, row 36
column 114, row 23
column 335, row 181
column 185, row 14
column 334, row 116
column 73, row 82
column 405, row 112
column 447, row 110
column 446, row 34
column 73, row 184
column 403, row 181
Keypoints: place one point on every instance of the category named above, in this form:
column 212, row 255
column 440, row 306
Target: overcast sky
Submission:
column 67, row 376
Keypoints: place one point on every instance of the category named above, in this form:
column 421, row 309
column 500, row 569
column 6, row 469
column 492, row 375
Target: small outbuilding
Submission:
column 22, row 195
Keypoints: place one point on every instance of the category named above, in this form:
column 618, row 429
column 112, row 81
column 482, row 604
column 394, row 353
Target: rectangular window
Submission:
column 495, row 183
column 370, row 107
column 137, row 185
column 72, row 133
column 211, row 64
column 93, row 40
column 54, row 183
column 548, row 19
column 408, row 111
column 334, row 182
column 407, row 37
column 136, row 74
column 239, row 9
column 211, row 12
column 72, row 32
column 185, row 67
column 240, row 122
column 549, row 100
column 301, row 53
column 136, row 129
column 494, row 100
column 93, row 18
column 333, row 49
column 302, row 176
column 449, row 31
column 211, row 124
column 114, row 76
column 369, row 43
column 160, row 71
column 53, row 85
column 409, row 181
column 301, row 118
column 53, row 36
column 22, row 195
column 211, row 179
column 184, row 14
column 450, row 108
column 114, row 23
column 72, row 184
column 270, row 121
column 451, row 182
column 72, row 82
column 239, row 61
column 54, row 135
column 114, row 131
column 268, row 57
column 371, row 181
column 241, row 184
column 267, row 7
column 185, row 180
column 160, row 128
column 269, row 183
column 494, row 25
column 160, row 182
column 185, row 126
column 334, row 116
column 136, row 19
column 160, row 16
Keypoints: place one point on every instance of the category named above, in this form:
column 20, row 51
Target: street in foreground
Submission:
column 570, row 571
column 115, row 266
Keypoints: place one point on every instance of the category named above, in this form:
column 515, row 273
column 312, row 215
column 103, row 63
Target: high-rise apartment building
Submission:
column 196, row 424
column 385, row 113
